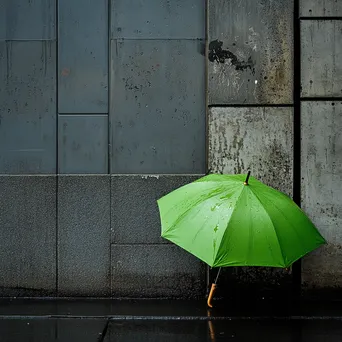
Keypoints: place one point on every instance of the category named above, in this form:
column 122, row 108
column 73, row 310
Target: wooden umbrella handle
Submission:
column 211, row 294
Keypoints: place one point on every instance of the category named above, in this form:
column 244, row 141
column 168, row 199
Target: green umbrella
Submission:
column 231, row 220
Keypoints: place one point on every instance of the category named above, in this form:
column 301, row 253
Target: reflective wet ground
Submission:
column 111, row 320
column 169, row 331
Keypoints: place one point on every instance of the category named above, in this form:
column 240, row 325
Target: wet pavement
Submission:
column 152, row 320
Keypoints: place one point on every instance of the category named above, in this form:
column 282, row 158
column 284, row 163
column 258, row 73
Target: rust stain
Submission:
column 65, row 72
column 276, row 78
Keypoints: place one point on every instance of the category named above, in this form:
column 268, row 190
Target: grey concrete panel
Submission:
column 147, row 271
column 321, row 190
column 83, row 144
column 28, row 104
column 28, row 235
column 158, row 19
column 83, row 56
column 134, row 210
column 319, row 8
column 259, row 139
column 84, row 235
column 250, row 51
column 321, row 60
column 27, row 20
column 157, row 107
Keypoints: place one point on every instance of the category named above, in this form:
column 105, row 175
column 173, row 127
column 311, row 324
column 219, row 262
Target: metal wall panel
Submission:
column 152, row 19
column 83, row 144
column 319, row 8
column 321, row 190
column 250, row 51
column 27, row 235
column 83, row 56
column 147, row 271
column 259, row 139
column 134, row 210
column 28, row 107
column 321, row 58
column 157, row 106
column 84, row 235
column 27, row 20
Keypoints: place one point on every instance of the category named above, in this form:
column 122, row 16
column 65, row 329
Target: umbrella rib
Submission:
column 223, row 236
column 293, row 229
column 275, row 230
column 181, row 217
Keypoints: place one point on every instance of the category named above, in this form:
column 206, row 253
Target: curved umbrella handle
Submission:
column 211, row 294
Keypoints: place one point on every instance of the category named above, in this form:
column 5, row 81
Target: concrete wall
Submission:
column 321, row 163
column 94, row 96
column 251, row 107
column 107, row 105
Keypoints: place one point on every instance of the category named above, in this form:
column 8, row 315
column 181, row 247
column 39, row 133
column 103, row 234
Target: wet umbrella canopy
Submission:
column 228, row 220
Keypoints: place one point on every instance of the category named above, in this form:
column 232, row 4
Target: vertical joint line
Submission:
column 109, row 150
column 297, row 106
column 57, row 132
column 296, row 270
column 109, row 55
column 206, row 89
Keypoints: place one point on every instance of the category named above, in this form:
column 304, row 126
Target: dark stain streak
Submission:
column 217, row 54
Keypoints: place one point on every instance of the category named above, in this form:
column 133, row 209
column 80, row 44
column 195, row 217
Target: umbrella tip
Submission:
column 247, row 178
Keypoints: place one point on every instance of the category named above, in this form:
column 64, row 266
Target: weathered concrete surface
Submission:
column 321, row 59
column 83, row 144
column 134, row 211
column 157, row 113
column 259, row 139
column 163, row 19
column 320, row 8
column 84, row 235
column 28, row 236
column 321, row 190
column 27, row 20
column 151, row 270
column 27, row 107
column 250, row 51
column 83, row 56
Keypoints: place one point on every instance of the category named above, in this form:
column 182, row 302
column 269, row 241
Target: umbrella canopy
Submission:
column 225, row 221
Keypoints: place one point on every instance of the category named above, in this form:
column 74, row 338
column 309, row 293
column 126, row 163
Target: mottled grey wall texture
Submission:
column 107, row 105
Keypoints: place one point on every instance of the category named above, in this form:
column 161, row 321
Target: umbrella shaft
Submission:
column 218, row 273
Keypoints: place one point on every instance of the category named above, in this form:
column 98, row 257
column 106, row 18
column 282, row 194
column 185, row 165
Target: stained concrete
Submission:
column 165, row 19
column 28, row 107
column 154, row 271
column 28, row 20
column 321, row 58
column 319, row 8
column 28, row 236
column 84, row 235
column 83, row 144
column 134, row 210
column 157, row 114
column 259, row 139
column 321, row 170
column 250, row 51
column 83, row 57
